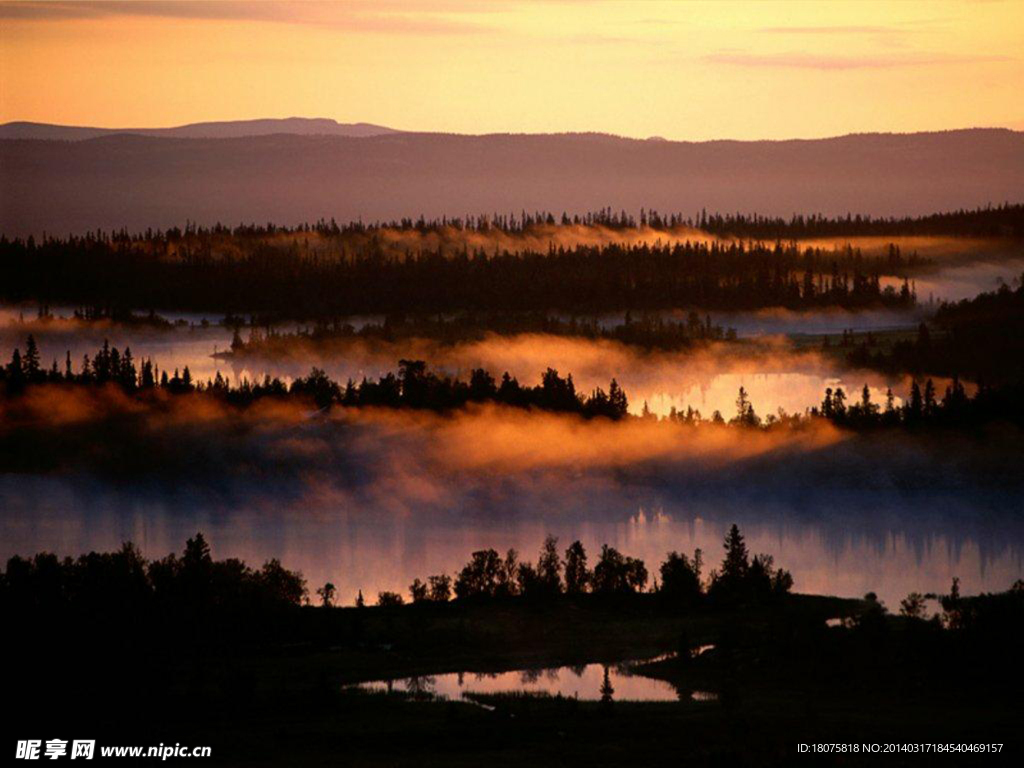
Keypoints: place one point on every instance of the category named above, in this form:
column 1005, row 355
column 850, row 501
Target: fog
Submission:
column 775, row 373
column 370, row 499
column 778, row 321
column 965, row 281
column 538, row 238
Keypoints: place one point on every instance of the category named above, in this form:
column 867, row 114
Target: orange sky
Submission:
column 682, row 70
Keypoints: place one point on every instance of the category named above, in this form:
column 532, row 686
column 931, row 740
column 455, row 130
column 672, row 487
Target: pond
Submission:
column 588, row 682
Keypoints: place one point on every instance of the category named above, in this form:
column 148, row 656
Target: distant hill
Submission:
column 230, row 129
column 123, row 180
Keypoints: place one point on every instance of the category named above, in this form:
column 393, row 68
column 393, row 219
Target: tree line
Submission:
column 415, row 386
column 1006, row 220
column 489, row 575
column 194, row 582
column 1000, row 220
column 980, row 338
column 314, row 276
column 648, row 331
column 124, row 582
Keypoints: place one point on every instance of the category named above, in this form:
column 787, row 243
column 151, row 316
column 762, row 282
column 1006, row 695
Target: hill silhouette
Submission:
column 139, row 181
column 224, row 129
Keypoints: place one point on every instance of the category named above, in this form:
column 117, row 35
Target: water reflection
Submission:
column 705, row 696
column 849, row 529
column 589, row 682
column 891, row 550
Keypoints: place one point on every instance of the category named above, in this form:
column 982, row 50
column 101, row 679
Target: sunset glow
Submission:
column 679, row 70
column 512, row 382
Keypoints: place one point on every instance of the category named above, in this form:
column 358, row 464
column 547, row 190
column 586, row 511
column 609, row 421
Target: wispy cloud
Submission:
column 392, row 16
column 828, row 62
column 832, row 30
column 42, row 10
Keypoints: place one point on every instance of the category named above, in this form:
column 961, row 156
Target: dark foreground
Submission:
column 270, row 689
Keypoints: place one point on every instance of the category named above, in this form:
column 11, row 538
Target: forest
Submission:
column 980, row 338
column 645, row 331
column 534, row 263
column 1006, row 220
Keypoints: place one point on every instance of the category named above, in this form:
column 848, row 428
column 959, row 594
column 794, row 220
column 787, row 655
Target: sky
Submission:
column 680, row 70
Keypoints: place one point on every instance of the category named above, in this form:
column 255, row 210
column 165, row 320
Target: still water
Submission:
column 891, row 551
column 586, row 682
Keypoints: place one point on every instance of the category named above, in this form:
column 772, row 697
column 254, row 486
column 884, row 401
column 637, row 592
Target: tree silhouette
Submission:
column 418, row 591
column 913, row 606
column 736, row 560
column 389, row 599
column 549, row 567
column 30, row 362
column 577, row 575
column 680, row 578
column 326, row 594
column 440, row 588
column 607, row 691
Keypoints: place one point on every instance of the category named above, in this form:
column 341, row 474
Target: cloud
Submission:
column 53, row 11
column 827, row 62
column 388, row 17
column 836, row 30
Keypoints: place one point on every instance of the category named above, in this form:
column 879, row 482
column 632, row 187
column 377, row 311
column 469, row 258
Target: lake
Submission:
column 890, row 550
column 399, row 500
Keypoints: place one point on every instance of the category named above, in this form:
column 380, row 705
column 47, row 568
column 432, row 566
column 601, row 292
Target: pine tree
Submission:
column 736, row 562
column 915, row 406
column 617, row 400
column 30, row 363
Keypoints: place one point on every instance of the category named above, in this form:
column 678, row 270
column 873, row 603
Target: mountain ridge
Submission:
column 300, row 126
column 133, row 181
column 322, row 126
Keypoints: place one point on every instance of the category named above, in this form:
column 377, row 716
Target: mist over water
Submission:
column 777, row 322
column 968, row 280
column 885, row 545
column 775, row 374
column 371, row 500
